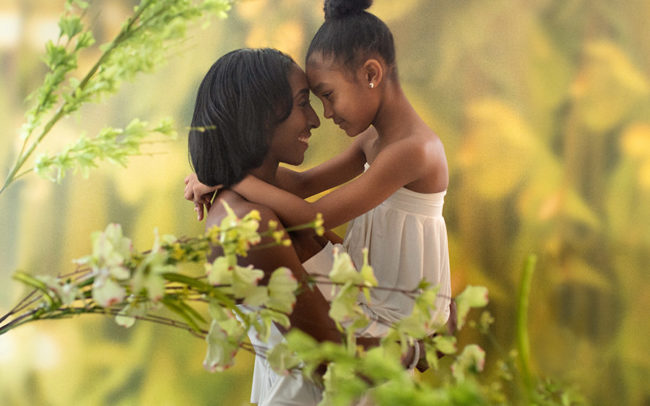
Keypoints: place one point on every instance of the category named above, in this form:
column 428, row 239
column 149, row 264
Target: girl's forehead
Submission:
column 320, row 77
column 319, row 61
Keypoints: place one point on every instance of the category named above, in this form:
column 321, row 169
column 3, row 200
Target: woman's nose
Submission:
column 312, row 119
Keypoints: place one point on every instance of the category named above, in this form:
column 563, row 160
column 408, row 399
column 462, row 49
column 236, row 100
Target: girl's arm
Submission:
column 333, row 172
column 396, row 166
column 200, row 194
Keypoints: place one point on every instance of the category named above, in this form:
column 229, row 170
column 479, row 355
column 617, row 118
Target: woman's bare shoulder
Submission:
column 240, row 206
column 267, row 259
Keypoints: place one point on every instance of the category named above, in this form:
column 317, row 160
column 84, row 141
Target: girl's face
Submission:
column 290, row 138
column 346, row 96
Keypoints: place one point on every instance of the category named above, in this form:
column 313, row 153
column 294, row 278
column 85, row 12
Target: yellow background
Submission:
column 544, row 110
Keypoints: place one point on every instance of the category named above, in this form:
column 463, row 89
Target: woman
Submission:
column 252, row 112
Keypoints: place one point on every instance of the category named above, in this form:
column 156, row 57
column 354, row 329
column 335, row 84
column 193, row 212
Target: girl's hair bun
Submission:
column 341, row 8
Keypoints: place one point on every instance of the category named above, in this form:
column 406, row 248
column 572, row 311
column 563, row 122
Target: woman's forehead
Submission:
column 297, row 79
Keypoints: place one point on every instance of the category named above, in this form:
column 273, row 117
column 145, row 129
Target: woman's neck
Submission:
column 395, row 116
column 266, row 171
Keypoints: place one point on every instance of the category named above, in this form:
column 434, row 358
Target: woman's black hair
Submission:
column 352, row 35
column 243, row 97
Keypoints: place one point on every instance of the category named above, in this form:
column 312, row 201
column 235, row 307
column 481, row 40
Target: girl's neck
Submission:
column 395, row 116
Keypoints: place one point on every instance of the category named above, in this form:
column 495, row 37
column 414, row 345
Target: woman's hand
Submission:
column 200, row 194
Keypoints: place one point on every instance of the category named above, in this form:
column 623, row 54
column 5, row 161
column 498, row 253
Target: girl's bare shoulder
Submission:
column 423, row 146
column 367, row 139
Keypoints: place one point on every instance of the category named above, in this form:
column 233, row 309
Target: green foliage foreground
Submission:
column 160, row 285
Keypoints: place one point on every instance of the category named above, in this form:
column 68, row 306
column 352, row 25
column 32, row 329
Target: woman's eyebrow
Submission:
column 301, row 92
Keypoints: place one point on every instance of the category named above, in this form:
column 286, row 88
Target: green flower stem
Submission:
column 67, row 312
column 39, row 108
column 23, row 304
column 18, row 321
column 523, row 344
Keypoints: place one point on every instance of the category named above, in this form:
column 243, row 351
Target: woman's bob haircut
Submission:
column 243, row 97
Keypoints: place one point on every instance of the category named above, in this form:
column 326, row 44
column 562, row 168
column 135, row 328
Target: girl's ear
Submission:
column 373, row 73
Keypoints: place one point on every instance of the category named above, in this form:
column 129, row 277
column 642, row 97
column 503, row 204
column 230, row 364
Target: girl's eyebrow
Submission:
column 318, row 88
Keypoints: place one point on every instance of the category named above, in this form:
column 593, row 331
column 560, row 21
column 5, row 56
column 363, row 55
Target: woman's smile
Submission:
column 304, row 138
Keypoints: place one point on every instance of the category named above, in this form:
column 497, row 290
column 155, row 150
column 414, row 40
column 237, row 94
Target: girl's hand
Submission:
column 200, row 194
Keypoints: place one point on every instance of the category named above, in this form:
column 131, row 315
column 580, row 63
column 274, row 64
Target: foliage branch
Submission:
column 140, row 46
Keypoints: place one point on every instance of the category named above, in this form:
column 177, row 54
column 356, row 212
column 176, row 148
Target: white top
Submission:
column 270, row 388
column 406, row 238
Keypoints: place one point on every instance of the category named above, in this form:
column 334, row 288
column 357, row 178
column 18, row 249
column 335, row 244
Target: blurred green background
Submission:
column 543, row 106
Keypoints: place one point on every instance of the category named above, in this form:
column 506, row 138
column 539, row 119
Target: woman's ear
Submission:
column 372, row 72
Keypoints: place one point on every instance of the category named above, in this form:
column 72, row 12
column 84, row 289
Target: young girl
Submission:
column 396, row 169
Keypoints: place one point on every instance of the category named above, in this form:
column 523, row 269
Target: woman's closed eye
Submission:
column 326, row 95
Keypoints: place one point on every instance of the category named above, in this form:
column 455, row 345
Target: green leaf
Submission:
column 70, row 26
column 471, row 360
column 191, row 311
column 471, row 297
column 85, row 40
column 282, row 359
column 55, row 55
column 69, row 4
column 257, row 296
column 244, row 281
column 380, row 365
column 282, row 290
column 345, row 307
column 343, row 269
column 221, row 349
column 187, row 280
column 29, row 280
column 176, row 307
column 445, row 344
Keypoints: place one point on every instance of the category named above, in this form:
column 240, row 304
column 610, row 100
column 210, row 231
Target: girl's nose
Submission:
column 327, row 111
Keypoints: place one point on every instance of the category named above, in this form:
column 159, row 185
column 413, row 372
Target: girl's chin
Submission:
column 352, row 132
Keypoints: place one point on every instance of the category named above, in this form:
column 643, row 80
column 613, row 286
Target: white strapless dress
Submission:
column 406, row 237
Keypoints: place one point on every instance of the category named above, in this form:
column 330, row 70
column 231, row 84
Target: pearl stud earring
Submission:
column 372, row 85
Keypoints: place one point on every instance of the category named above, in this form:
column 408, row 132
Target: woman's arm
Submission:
column 310, row 313
column 396, row 166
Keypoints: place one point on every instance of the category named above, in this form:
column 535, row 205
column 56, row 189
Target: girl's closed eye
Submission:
column 326, row 95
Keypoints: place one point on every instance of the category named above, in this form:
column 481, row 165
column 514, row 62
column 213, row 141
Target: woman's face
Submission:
column 290, row 138
column 344, row 95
